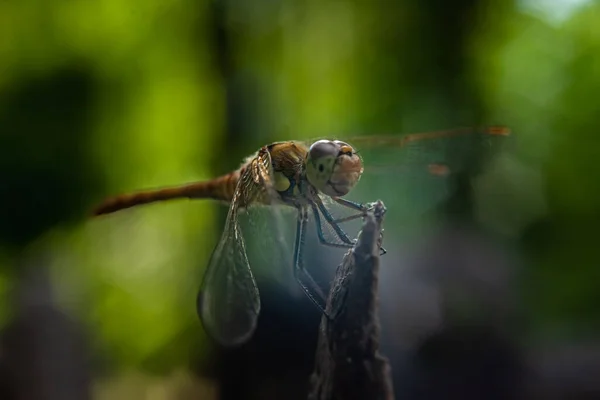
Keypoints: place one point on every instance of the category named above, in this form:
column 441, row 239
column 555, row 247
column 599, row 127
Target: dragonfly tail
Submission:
column 221, row 188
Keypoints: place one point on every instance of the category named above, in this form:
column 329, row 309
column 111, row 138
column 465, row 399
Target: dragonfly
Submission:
column 308, row 177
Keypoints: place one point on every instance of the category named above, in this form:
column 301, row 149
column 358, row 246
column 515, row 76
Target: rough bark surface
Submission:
column 348, row 362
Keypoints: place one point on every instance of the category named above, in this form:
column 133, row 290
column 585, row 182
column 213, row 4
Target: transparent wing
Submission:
column 229, row 301
column 418, row 176
column 457, row 150
column 416, row 173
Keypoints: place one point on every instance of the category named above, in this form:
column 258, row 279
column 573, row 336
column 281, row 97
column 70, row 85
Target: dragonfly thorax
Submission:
column 294, row 191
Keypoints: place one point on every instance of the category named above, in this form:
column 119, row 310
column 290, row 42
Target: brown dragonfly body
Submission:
column 287, row 162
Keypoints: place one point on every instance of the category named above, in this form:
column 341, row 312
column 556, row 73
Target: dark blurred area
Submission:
column 490, row 286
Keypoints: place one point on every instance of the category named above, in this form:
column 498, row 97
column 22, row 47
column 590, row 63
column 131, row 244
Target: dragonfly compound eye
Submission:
column 333, row 167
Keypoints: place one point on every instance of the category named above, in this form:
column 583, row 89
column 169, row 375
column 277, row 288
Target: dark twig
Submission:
column 348, row 362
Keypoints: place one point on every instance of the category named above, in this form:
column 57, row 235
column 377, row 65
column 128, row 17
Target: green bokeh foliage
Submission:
column 109, row 96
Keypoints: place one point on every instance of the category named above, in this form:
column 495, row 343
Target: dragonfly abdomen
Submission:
column 221, row 188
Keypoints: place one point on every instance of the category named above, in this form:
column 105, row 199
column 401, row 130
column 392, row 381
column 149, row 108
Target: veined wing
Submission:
column 441, row 152
column 228, row 301
column 416, row 172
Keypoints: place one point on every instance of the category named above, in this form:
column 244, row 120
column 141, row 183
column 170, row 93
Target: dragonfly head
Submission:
column 333, row 167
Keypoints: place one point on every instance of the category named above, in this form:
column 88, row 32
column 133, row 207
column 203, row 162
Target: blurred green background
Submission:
column 103, row 97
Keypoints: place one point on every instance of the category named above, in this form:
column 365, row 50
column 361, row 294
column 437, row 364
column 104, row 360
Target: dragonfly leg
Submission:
column 352, row 204
column 349, row 218
column 362, row 207
column 335, row 222
column 299, row 268
column 331, row 221
column 321, row 235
